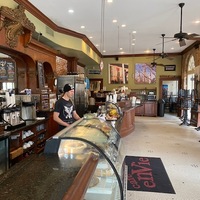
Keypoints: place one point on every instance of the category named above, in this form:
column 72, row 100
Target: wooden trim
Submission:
column 37, row 13
column 82, row 180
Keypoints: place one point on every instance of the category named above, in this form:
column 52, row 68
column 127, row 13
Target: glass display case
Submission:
column 98, row 137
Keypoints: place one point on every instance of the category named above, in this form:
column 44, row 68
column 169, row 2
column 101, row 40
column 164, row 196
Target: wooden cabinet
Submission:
column 148, row 108
column 195, row 116
column 53, row 126
column 27, row 140
column 127, row 124
column 139, row 111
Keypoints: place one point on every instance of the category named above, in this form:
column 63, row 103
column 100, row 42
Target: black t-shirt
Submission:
column 65, row 109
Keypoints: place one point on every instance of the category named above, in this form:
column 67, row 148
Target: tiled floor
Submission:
column 177, row 146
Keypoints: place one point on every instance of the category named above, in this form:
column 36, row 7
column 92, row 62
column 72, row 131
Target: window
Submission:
column 8, row 86
column 191, row 64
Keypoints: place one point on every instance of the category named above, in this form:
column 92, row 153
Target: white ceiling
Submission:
column 149, row 18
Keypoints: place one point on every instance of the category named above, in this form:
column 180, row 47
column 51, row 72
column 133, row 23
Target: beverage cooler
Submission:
column 91, row 135
column 79, row 99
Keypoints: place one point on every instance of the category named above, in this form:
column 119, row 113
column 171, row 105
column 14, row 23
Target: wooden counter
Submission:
column 126, row 124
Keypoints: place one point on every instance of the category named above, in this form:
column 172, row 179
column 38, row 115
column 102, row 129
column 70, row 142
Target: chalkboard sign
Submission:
column 41, row 78
column 7, row 70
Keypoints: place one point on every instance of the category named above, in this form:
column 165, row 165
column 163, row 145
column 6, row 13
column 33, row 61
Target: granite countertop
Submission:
column 39, row 177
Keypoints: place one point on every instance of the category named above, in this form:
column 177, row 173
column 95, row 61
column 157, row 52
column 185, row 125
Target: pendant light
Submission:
column 101, row 65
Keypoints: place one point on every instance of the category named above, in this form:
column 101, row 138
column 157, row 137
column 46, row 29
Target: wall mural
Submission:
column 118, row 73
column 145, row 73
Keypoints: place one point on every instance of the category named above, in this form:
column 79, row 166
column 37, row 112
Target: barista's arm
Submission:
column 75, row 115
column 58, row 120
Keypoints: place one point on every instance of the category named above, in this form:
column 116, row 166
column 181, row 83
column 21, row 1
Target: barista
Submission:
column 65, row 113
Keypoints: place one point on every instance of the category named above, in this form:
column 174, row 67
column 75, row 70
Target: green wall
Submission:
column 131, row 61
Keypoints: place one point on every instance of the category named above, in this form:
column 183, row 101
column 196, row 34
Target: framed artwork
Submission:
column 145, row 73
column 118, row 73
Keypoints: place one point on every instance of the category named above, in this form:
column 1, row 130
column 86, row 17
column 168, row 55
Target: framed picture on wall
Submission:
column 145, row 73
column 118, row 73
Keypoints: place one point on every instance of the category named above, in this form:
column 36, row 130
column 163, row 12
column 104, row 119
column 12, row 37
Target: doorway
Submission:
column 169, row 87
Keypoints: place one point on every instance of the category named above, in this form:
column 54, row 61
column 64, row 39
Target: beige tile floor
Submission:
column 177, row 146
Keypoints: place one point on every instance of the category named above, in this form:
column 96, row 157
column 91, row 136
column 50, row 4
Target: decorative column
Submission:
column 72, row 63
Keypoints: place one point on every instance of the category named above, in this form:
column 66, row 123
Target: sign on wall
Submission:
column 170, row 67
column 41, row 78
column 7, row 70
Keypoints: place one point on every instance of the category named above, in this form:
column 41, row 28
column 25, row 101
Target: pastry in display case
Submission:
column 98, row 137
column 113, row 111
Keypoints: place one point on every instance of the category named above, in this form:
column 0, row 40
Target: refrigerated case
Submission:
column 96, row 136
column 79, row 99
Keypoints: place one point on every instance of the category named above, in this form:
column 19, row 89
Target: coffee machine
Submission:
column 28, row 111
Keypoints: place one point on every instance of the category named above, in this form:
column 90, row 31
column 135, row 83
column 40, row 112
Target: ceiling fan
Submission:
column 181, row 36
column 154, row 64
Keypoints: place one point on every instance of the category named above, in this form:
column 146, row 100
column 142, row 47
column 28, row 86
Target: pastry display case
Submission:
column 94, row 136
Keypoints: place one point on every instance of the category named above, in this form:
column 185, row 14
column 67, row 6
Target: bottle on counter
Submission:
column 99, row 111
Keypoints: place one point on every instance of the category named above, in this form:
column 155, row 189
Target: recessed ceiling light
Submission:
column 114, row 21
column 109, row 1
column 197, row 22
column 97, row 45
column 134, row 32
column 70, row 11
column 90, row 37
column 120, row 48
column 172, row 48
column 104, row 51
column 133, row 44
column 82, row 26
column 123, row 25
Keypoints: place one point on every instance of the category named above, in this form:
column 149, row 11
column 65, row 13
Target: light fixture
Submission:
column 182, row 42
column 101, row 65
column 70, row 11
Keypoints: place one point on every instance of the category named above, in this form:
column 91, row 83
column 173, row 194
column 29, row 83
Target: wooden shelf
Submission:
column 16, row 145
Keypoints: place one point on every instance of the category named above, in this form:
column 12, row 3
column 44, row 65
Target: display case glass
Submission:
column 97, row 136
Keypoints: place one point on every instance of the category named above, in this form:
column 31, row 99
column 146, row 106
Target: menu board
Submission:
column 7, row 69
column 41, row 78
